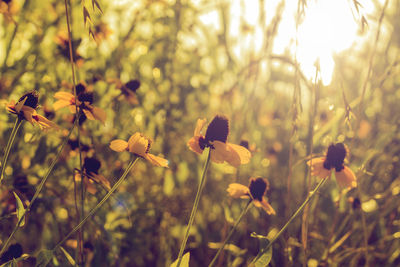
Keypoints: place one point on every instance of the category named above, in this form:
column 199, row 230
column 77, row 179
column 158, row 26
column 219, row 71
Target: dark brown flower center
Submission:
column 32, row 99
column 133, row 85
column 218, row 129
column 244, row 143
column 80, row 88
column 258, row 187
column 13, row 252
column 335, row 157
column 86, row 97
column 91, row 165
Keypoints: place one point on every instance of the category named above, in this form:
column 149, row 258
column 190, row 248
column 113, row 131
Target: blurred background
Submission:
column 292, row 77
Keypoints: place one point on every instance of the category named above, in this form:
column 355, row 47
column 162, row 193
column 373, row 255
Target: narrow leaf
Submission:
column 20, row 209
column 184, row 262
column 68, row 256
column 86, row 16
column 44, row 257
column 11, row 263
column 263, row 257
column 94, row 2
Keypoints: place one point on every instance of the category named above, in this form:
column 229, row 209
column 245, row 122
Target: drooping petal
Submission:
column 61, row 104
column 219, row 153
column 346, row 178
column 20, row 104
column 64, row 96
column 237, row 155
column 99, row 114
column 119, row 145
column 138, row 144
column 44, row 123
column 236, row 190
column 265, row 206
column 100, row 179
column 157, row 161
column 28, row 113
column 317, row 168
column 88, row 114
column 193, row 145
column 199, row 125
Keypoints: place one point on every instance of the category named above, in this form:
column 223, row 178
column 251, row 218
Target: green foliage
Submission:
column 44, row 257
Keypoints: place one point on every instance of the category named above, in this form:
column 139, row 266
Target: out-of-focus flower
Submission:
column 26, row 107
column 139, row 145
column 216, row 139
column 128, row 90
column 101, row 31
column 334, row 159
column 91, row 174
column 256, row 191
column 84, row 102
column 63, row 48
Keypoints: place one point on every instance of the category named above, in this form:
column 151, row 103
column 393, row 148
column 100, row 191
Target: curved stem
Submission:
column 38, row 189
column 10, row 142
column 309, row 197
column 194, row 209
column 94, row 210
column 244, row 211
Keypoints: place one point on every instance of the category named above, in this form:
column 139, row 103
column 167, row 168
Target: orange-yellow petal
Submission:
column 100, row 179
column 28, row 112
column 346, row 178
column 60, row 104
column 199, row 125
column 236, row 190
column 44, row 123
column 265, row 206
column 219, row 153
column 157, row 161
column 20, row 104
column 317, row 168
column 99, row 114
column 237, row 155
column 119, row 145
column 138, row 144
column 193, row 145
column 64, row 96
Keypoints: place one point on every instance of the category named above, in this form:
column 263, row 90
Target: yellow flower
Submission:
column 334, row 159
column 215, row 138
column 139, row 145
column 256, row 191
column 84, row 102
column 26, row 109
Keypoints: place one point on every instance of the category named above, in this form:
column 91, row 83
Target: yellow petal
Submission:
column 28, row 112
column 193, row 145
column 199, row 125
column 60, row 104
column 119, row 145
column 20, row 104
column 100, row 179
column 219, row 153
column 265, row 206
column 346, row 178
column 236, row 190
column 99, row 114
column 157, row 161
column 237, row 155
column 138, row 144
column 65, row 96
column 88, row 114
column 317, row 168
column 44, row 123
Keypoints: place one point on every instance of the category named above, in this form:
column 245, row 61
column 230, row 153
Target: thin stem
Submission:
column 244, row 211
column 105, row 198
column 38, row 189
column 11, row 140
column 194, row 209
column 309, row 197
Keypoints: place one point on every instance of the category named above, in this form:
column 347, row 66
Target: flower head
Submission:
column 256, row 191
column 26, row 107
column 139, row 145
column 91, row 175
column 84, row 102
column 334, row 159
column 216, row 139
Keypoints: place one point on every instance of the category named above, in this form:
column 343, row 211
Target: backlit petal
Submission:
column 265, row 206
column 20, row 104
column 220, row 153
column 193, row 145
column 199, row 125
column 346, row 178
column 157, row 161
column 100, row 179
column 64, row 96
column 237, row 155
column 99, row 114
column 138, row 144
column 45, row 123
column 88, row 114
column 317, row 168
column 119, row 145
column 236, row 190
column 60, row 104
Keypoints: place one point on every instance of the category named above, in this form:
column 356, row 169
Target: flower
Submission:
column 26, row 107
column 334, row 159
column 215, row 138
column 256, row 191
column 91, row 174
column 139, row 145
column 84, row 102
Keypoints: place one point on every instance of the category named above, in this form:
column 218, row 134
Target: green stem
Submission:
column 230, row 233
column 309, row 197
column 93, row 211
column 38, row 189
column 195, row 205
column 11, row 140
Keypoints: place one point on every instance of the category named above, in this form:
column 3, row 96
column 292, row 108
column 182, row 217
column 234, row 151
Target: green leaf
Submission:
column 44, row 257
column 68, row 256
column 184, row 262
column 264, row 257
column 20, row 210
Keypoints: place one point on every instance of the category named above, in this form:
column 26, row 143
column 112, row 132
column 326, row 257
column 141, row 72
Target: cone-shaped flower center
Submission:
column 218, row 129
column 80, row 88
column 32, row 99
column 133, row 85
column 258, row 187
column 86, row 97
column 91, row 165
column 335, row 157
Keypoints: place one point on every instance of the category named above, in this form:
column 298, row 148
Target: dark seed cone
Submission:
column 91, row 165
column 133, row 85
column 32, row 99
column 80, row 88
column 86, row 97
column 258, row 187
column 218, row 129
column 335, row 157
column 13, row 252
column 244, row 143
